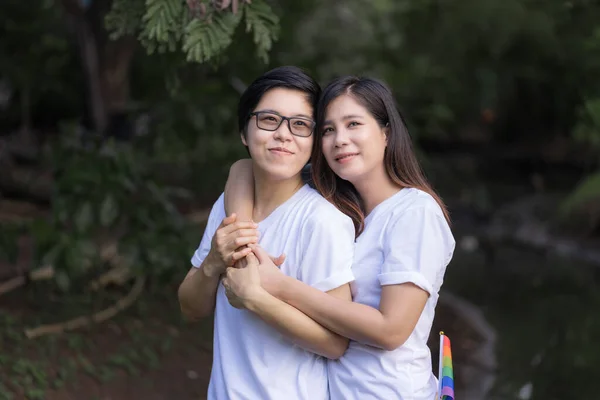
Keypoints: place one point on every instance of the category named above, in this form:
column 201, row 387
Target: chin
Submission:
column 281, row 172
column 348, row 174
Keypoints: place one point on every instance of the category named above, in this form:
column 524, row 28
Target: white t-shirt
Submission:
column 252, row 360
column 406, row 239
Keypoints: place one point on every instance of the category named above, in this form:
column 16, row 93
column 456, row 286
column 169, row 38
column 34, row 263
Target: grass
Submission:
column 129, row 345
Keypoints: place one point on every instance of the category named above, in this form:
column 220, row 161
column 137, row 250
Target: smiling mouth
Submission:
column 280, row 150
column 345, row 156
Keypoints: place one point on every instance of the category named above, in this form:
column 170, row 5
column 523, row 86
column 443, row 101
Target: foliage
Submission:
column 8, row 241
column 203, row 30
column 136, row 344
column 106, row 193
column 585, row 198
column 38, row 26
column 517, row 66
column 525, row 70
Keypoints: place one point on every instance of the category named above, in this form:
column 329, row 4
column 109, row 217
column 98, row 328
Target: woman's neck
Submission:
column 270, row 194
column 375, row 188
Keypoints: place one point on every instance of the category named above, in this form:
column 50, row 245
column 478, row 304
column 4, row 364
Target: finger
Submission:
column 238, row 255
column 243, row 241
column 230, row 297
column 228, row 220
column 261, row 254
column 244, row 232
column 252, row 260
column 238, row 225
column 278, row 260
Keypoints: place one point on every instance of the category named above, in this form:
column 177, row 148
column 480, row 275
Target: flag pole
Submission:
column 439, row 393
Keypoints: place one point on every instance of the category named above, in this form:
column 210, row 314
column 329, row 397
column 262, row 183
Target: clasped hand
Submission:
column 229, row 244
column 247, row 269
column 261, row 275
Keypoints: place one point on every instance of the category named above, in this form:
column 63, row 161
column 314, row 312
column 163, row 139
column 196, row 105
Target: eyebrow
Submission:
column 278, row 113
column 344, row 118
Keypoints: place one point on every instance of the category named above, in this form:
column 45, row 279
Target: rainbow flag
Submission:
column 446, row 373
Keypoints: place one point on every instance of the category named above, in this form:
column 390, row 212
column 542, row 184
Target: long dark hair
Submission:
column 400, row 161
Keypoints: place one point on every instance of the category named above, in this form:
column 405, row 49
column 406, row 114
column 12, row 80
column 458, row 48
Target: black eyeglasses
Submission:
column 270, row 121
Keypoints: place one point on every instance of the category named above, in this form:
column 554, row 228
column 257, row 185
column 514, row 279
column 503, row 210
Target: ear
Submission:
column 243, row 139
column 386, row 132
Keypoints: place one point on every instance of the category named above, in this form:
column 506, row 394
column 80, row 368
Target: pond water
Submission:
column 546, row 314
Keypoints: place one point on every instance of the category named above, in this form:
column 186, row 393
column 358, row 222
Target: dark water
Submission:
column 546, row 312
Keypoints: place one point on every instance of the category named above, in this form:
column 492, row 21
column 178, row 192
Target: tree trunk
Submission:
column 106, row 62
column 117, row 58
column 89, row 55
column 88, row 49
column 26, row 108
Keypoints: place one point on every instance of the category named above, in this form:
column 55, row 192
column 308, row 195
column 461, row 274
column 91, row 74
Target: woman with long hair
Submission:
column 364, row 163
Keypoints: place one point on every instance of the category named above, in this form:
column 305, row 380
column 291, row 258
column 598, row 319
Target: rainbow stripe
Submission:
column 446, row 372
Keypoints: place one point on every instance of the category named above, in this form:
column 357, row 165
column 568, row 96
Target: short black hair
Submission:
column 288, row 77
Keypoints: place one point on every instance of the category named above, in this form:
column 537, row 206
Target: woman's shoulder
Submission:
column 422, row 219
column 414, row 201
column 416, row 211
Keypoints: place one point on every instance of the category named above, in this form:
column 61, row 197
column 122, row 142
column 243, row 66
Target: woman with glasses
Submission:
column 264, row 348
column 363, row 162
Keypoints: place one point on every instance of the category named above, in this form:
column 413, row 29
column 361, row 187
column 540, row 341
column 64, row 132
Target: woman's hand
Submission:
column 229, row 244
column 259, row 275
column 268, row 268
column 243, row 285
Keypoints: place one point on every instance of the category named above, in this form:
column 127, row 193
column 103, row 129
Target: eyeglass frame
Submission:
column 288, row 119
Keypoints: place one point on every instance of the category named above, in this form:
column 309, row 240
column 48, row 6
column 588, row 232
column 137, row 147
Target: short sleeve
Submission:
column 214, row 220
column 417, row 247
column 328, row 251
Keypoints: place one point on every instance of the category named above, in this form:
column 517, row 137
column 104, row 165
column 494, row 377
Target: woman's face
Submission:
column 278, row 153
column 353, row 142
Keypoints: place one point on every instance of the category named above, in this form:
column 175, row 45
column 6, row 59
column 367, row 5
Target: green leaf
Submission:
column 108, row 211
column 264, row 24
column 204, row 39
column 52, row 255
column 586, row 191
column 124, row 17
column 162, row 20
column 84, row 217
column 62, row 280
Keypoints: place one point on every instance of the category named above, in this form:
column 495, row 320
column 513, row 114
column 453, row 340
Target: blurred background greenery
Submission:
column 117, row 129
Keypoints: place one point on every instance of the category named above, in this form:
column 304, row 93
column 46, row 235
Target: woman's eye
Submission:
column 327, row 130
column 300, row 123
column 353, row 123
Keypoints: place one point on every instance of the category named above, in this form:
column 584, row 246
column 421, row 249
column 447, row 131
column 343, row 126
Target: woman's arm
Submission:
column 242, row 287
column 298, row 327
column 239, row 198
column 412, row 263
column 239, row 190
column 197, row 292
column 387, row 328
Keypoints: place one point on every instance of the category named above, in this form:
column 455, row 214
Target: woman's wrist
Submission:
column 213, row 266
column 256, row 300
column 281, row 287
